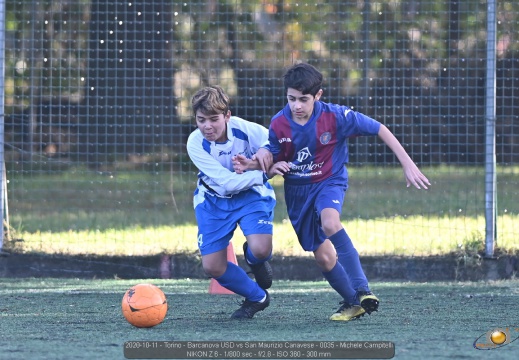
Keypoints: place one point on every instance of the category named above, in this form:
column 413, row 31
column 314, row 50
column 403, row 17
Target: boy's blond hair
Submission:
column 210, row 100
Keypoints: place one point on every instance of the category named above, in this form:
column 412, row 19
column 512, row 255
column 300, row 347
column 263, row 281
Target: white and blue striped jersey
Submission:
column 214, row 161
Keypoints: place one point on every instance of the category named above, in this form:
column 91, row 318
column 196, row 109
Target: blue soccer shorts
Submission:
column 218, row 218
column 304, row 206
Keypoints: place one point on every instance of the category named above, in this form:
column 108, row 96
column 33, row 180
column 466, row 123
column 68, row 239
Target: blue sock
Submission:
column 252, row 260
column 349, row 259
column 237, row 280
column 339, row 281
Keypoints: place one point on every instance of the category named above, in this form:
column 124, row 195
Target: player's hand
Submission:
column 414, row 176
column 279, row 168
column 264, row 158
column 241, row 163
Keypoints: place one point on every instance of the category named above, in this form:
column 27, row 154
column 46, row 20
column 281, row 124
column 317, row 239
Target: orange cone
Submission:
column 214, row 287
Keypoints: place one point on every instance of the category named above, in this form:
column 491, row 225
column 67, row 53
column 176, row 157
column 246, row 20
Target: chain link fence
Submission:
column 96, row 115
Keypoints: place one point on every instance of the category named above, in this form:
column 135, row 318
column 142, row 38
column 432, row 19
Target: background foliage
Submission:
column 97, row 98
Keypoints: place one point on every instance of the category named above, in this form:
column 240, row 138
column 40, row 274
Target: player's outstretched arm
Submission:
column 241, row 163
column 413, row 175
column 279, row 168
column 264, row 158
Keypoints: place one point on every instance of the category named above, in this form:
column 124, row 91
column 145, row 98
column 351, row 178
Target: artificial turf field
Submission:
column 82, row 319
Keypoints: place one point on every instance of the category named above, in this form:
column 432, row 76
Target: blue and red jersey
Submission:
column 318, row 149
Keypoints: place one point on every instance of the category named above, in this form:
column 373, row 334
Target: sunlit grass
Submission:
column 412, row 236
column 141, row 213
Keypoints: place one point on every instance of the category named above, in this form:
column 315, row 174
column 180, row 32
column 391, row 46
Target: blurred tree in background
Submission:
column 99, row 81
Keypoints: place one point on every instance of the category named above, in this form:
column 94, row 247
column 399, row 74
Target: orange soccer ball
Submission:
column 144, row 305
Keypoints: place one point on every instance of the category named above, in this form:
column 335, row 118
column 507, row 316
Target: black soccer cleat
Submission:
column 249, row 308
column 347, row 312
column 262, row 272
column 368, row 301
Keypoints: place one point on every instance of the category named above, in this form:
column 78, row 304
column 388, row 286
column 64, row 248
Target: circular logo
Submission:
column 498, row 337
column 325, row 138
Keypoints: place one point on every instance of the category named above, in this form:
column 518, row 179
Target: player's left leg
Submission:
column 349, row 257
column 257, row 251
column 346, row 252
column 237, row 280
column 231, row 276
column 256, row 223
column 334, row 273
column 301, row 207
column 214, row 233
column 234, row 278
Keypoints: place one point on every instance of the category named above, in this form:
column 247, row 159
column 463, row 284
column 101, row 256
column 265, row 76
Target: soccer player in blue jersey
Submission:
column 311, row 136
column 224, row 199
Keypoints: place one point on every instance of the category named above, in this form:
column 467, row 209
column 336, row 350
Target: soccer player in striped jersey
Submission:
column 312, row 137
column 224, row 199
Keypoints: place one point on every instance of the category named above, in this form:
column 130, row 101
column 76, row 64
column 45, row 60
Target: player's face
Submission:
column 301, row 105
column 213, row 126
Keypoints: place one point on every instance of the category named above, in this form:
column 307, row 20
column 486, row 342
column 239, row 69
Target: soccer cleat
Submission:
column 368, row 301
column 348, row 312
column 249, row 308
column 262, row 272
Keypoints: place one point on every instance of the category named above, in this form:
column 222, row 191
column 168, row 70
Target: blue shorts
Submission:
column 218, row 217
column 304, row 206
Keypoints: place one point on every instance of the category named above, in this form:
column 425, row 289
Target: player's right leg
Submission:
column 300, row 201
column 257, row 251
column 348, row 256
column 234, row 278
column 214, row 233
column 368, row 301
column 336, row 276
column 256, row 222
column 248, row 308
column 347, row 312
column 329, row 205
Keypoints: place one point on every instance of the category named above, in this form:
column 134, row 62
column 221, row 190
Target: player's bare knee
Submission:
column 326, row 266
column 331, row 226
column 261, row 248
column 214, row 271
column 326, row 261
column 262, row 252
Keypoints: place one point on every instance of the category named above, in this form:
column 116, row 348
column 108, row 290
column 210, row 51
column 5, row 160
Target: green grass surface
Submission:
column 82, row 319
column 143, row 213
column 412, row 236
